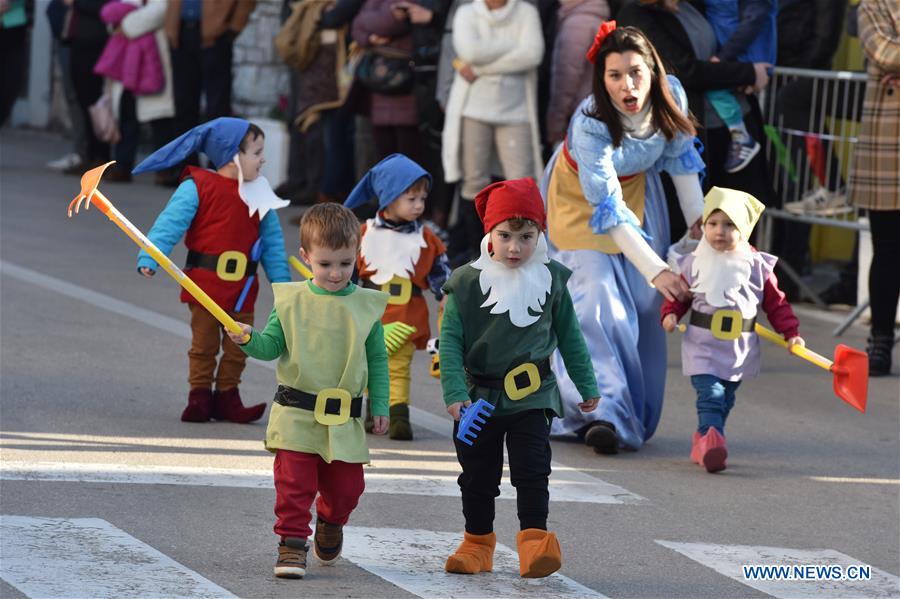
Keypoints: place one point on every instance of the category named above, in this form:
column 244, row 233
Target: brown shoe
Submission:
column 327, row 542
column 291, row 558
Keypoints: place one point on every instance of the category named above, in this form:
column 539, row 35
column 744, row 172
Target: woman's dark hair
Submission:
column 667, row 116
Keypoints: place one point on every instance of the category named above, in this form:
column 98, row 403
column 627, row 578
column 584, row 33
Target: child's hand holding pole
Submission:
column 669, row 323
column 795, row 341
column 242, row 337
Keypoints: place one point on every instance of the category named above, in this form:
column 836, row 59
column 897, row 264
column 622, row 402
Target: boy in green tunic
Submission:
column 327, row 336
column 506, row 313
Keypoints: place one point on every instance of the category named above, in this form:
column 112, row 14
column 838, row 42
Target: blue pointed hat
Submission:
column 219, row 139
column 386, row 181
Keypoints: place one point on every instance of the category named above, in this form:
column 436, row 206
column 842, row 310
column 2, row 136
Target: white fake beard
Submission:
column 719, row 275
column 389, row 253
column 515, row 290
column 257, row 194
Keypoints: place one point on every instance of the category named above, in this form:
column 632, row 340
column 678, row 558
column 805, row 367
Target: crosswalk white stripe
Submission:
column 414, row 561
column 89, row 557
column 442, row 485
column 729, row 559
column 437, row 424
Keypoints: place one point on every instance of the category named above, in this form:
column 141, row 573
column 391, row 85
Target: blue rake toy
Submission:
column 470, row 418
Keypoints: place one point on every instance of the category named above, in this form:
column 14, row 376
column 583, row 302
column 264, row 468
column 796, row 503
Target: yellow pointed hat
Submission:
column 741, row 207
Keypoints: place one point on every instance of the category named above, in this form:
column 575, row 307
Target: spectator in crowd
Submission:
column 875, row 182
column 56, row 16
column 608, row 223
column 87, row 38
column 687, row 43
column 305, row 148
column 809, row 32
column 13, row 29
column 570, row 74
column 134, row 108
column 201, row 36
column 394, row 117
column 499, row 46
column 428, row 21
column 745, row 31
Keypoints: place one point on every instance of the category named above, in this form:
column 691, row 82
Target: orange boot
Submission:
column 539, row 553
column 695, row 447
column 475, row 554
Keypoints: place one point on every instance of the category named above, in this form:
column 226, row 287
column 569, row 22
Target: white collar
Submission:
column 494, row 17
column 640, row 125
column 517, row 291
column 257, row 194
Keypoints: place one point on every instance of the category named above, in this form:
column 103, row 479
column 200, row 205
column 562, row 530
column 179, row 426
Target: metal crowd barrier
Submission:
column 811, row 123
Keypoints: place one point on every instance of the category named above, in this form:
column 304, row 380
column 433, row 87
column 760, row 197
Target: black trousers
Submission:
column 527, row 436
column 200, row 71
column 88, row 89
column 884, row 276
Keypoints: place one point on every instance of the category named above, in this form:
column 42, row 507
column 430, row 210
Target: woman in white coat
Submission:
column 132, row 110
column 499, row 46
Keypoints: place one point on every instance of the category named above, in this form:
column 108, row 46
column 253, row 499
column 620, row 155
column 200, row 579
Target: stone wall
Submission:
column 260, row 78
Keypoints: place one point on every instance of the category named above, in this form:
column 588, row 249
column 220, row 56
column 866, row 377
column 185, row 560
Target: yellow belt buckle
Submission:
column 726, row 324
column 404, row 291
column 513, row 391
column 231, row 265
column 322, row 401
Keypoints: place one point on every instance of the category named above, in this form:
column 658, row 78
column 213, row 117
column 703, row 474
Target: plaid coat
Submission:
column 875, row 180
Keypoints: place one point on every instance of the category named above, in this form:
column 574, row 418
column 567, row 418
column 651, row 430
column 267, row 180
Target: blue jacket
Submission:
column 745, row 29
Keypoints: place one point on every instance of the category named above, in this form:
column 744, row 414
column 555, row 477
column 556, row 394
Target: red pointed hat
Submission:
column 516, row 198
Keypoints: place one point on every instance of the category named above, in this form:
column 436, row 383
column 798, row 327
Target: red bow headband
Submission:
column 606, row 28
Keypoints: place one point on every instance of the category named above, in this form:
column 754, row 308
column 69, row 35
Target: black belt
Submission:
column 543, row 368
column 211, row 262
column 705, row 321
column 393, row 289
column 294, row 398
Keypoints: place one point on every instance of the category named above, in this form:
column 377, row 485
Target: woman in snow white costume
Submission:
column 608, row 223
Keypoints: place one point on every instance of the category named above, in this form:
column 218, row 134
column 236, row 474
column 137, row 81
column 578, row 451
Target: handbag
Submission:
column 103, row 121
column 386, row 71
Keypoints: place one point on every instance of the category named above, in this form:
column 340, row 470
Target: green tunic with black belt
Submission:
column 324, row 340
column 490, row 345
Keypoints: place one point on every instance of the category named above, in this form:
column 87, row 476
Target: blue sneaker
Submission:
column 742, row 150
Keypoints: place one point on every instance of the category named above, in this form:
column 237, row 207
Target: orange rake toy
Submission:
column 91, row 195
column 850, row 367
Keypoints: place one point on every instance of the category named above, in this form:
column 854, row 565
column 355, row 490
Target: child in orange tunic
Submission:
column 403, row 257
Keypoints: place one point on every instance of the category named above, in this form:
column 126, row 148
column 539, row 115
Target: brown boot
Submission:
column 475, row 554
column 291, row 558
column 399, row 428
column 199, row 406
column 328, row 542
column 539, row 553
column 226, row 405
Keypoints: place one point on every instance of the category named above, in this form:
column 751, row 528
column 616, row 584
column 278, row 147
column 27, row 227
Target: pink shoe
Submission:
column 713, row 450
column 695, row 447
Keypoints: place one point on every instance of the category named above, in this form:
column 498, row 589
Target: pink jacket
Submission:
column 134, row 62
column 571, row 75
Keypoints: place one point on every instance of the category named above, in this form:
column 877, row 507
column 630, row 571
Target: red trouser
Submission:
column 298, row 476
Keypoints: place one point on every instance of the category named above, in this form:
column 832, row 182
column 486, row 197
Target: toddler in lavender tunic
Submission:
column 729, row 282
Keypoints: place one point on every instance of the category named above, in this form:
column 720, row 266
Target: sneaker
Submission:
column 879, row 350
column 67, row 161
column 291, row 558
column 820, row 202
column 327, row 542
column 742, row 150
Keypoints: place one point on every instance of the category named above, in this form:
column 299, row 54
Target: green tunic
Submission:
column 489, row 345
column 324, row 340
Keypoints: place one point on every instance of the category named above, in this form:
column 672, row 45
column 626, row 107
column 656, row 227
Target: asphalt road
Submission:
column 93, row 378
